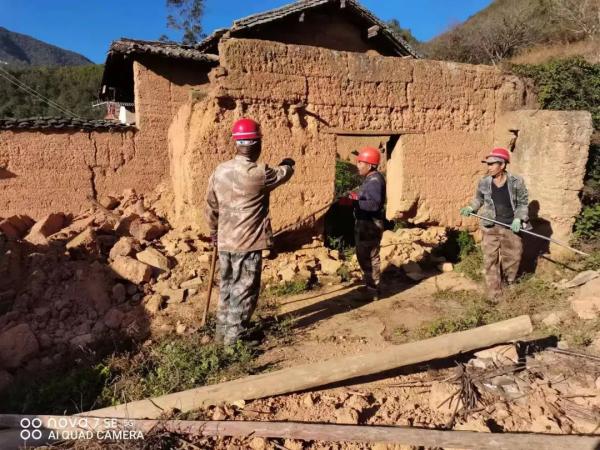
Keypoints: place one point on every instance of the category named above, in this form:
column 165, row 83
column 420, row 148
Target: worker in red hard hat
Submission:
column 368, row 205
column 237, row 212
column 501, row 196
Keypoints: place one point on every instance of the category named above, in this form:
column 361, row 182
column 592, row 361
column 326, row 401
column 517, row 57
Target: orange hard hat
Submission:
column 245, row 129
column 497, row 155
column 370, row 155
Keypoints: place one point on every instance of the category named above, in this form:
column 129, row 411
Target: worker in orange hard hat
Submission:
column 368, row 205
column 503, row 197
column 237, row 211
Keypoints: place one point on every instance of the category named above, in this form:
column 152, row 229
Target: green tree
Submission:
column 74, row 88
column 185, row 15
column 404, row 33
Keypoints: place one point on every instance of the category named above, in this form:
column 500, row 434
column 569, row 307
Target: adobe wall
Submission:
column 300, row 94
column 54, row 171
column 550, row 151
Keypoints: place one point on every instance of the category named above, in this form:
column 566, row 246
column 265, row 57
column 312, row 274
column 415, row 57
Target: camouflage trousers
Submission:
column 368, row 235
column 240, row 286
column 502, row 250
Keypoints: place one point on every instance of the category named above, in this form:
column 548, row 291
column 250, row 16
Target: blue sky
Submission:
column 88, row 26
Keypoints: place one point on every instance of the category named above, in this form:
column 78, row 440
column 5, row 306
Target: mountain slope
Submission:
column 18, row 49
column 506, row 28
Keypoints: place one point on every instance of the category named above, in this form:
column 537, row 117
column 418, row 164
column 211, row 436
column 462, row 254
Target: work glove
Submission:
column 516, row 225
column 353, row 196
column 288, row 162
column 466, row 211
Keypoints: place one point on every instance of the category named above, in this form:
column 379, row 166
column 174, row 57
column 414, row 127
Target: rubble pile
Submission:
column 69, row 283
column 403, row 249
column 117, row 271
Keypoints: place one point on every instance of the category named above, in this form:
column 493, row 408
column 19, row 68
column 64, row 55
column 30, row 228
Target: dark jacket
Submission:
column 371, row 198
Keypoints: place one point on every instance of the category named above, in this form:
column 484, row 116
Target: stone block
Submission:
column 126, row 246
column 586, row 301
column 47, row 226
column 329, row 266
column 144, row 231
column 154, row 258
column 153, row 304
column 84, row 244
column 131, row 269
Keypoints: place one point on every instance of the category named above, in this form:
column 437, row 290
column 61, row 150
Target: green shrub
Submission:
column 173, row 364
column 566, row 84
column 293, row 287
column 592, row 262
column 346, row 177
column 471, row 265
column 466, row 243
column 587, row 225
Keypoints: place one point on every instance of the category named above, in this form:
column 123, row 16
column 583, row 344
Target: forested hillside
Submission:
column 74, row 88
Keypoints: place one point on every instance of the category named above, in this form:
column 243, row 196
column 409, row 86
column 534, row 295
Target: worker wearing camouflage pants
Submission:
column 237, row 213
column 503, row 197
column 240, row 284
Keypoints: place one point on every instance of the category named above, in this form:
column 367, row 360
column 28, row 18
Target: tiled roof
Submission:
column 169, row 50
column 64, row 123
column 279, row 13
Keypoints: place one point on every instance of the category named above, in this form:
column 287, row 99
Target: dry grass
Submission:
column 589, row 49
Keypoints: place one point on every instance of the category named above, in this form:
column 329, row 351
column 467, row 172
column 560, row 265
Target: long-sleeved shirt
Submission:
column 371, row 198
column 237, row 203
column 517, row 191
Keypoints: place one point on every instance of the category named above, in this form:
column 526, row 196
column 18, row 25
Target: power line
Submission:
column 19, row 84
column 12, row 79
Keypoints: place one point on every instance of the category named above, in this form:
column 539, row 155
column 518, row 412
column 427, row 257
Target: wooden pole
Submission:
column 315, row 432
column 310, row 376
column 211, row 279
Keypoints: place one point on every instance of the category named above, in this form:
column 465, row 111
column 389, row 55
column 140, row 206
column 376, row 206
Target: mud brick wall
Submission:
column 300, row 93
column 56, row 170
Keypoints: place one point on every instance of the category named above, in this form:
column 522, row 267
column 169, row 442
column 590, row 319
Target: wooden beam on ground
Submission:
column 421, row 437
column 310, row 376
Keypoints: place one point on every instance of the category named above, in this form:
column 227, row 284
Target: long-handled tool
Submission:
column 211, row 278
column 534, row 234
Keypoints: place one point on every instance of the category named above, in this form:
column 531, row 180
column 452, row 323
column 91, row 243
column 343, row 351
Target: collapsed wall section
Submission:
column 304, row 97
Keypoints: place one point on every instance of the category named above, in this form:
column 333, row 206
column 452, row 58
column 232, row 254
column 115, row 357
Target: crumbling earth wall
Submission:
column 550, row 150
column 305, row 96
column 55, row 170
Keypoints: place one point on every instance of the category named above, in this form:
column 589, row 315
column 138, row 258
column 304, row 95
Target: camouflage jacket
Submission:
column 237, row 203
column 519, row 199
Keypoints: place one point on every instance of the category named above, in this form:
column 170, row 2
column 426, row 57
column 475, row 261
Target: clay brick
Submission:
column 146, row 231
column 84, row 244
column 45, row 227
column 153, row 258
column 126, row 246
column 131, row 269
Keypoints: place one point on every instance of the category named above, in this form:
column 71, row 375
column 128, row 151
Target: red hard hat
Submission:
column 498, row 152
column 245, row 129
column 370, row 155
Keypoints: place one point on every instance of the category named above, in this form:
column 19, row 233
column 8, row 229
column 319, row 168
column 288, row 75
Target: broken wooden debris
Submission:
column 310, row 376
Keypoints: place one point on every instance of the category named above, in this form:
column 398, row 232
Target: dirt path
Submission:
column 337, row 321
